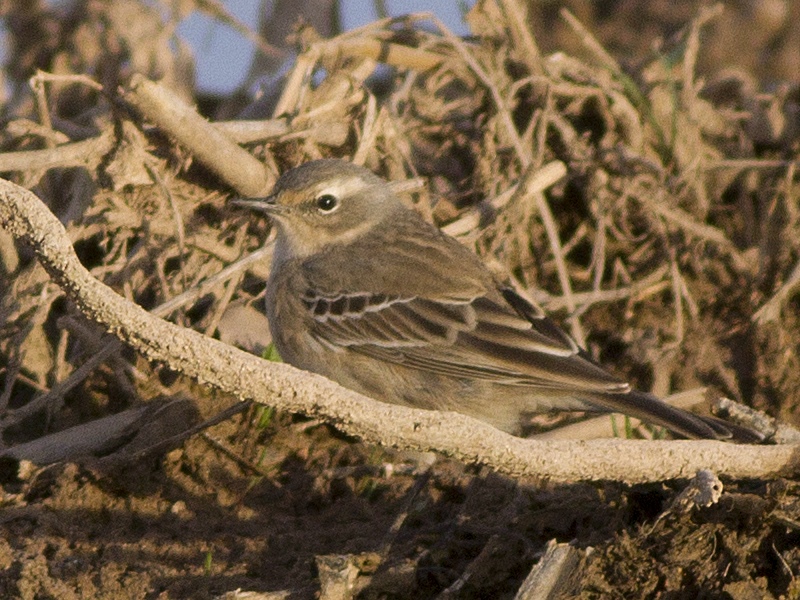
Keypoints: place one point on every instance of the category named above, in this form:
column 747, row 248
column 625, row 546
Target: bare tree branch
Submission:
column 225, row 368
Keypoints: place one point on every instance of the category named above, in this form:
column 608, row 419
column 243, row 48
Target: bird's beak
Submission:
column 268, row 204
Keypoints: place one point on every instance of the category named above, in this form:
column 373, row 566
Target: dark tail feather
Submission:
column 736, row 433
column 653, row 410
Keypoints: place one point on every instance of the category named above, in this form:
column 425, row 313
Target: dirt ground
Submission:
column 682, row 193
column 195, row 524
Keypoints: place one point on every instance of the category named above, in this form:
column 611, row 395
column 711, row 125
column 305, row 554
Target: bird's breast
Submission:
column 290, row 322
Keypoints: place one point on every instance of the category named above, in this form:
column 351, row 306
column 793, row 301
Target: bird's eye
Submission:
column 327, row 203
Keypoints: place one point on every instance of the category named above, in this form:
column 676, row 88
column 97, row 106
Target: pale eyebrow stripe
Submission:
column 342, row 186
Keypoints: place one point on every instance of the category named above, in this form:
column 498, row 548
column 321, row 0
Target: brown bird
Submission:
column 368, row 294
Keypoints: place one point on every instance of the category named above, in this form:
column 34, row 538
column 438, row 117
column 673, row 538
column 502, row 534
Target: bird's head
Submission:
column 323, row 202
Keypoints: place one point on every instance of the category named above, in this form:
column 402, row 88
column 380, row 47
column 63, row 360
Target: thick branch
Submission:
column 230, row 370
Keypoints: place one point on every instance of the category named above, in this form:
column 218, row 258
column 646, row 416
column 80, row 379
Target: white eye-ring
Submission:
column 327, row 203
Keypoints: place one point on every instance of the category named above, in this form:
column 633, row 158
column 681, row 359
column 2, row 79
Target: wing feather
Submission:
column 484, row 338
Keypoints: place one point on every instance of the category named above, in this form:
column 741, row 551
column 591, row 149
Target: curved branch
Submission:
column 245, row 376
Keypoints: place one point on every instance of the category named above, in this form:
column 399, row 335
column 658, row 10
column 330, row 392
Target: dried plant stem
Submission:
column 687, row 223
column 590, row 42
column 537, row 181
column 231, row 163
column 391, row 54
column 109, row 348
column 772, row 308
column 653, row 283
column 87, row 153
column 517, row 19
column 90, row 152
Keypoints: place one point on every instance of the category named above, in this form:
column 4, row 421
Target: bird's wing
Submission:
column 504, row 339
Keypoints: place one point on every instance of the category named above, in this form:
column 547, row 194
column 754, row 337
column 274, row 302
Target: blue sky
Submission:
column 223, row 56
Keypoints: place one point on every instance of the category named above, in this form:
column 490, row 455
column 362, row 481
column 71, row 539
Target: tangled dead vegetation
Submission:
column 654, row 212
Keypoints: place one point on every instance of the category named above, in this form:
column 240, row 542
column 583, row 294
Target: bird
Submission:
column 367, row 293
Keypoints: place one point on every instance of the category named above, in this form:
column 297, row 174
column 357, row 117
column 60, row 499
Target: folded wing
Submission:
column 508, row 342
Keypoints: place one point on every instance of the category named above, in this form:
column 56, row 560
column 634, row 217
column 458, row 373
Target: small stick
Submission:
column 233, row 164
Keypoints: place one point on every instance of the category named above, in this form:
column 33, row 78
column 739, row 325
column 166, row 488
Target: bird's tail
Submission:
column 651, row 409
